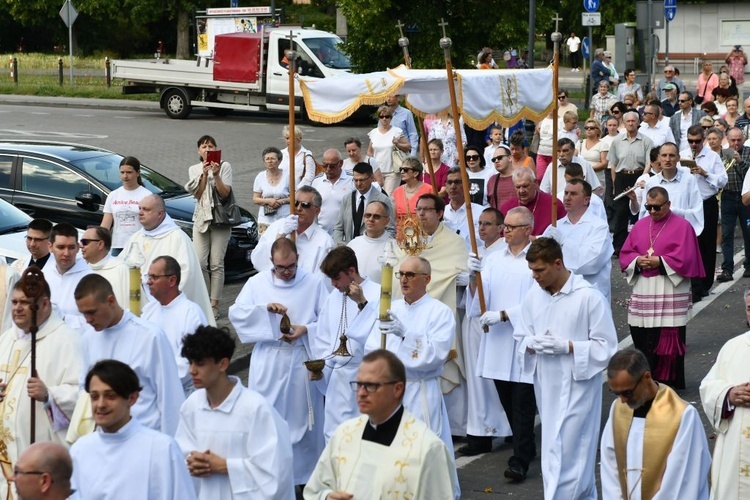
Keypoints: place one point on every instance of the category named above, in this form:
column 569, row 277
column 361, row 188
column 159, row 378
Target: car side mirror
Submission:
column 89, row 200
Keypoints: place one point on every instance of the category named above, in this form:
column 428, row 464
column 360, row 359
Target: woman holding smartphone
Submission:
column 210, row 239
column 121, row 207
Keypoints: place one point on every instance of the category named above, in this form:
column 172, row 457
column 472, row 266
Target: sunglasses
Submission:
column 373, row 216
column 561, row 97
column 499, row 158
column 86, row 241
column 590, row 128
column 385, row 116
column 695, row 141
column 472, row 157
column 628, row 393
column 649, row 207
column 615, row 111
column 303, row 204
column 683, row 100
column 406, row 169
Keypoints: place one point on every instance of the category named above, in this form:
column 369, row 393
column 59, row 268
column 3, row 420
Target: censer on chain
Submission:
column 316, row 365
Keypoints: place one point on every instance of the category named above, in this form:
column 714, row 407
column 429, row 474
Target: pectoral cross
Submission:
column 443, row 24
column 399, row 26
column 650, row 251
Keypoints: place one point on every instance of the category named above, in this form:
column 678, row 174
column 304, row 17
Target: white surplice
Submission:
column 114, row 270
column 178, row 318
column 63, row 287
column 134, row 462
column 732, row 449
column 568, row 387
column 686, row 474
column 169, row 239
column 277, row 371
column 145, row 348
column 341, row 400
column 249, row 434
column 58, row 366
column 587, row 249
column 416, row 464
column 368, row 250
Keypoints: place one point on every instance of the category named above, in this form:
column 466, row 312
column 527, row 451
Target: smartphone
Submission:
column 214, row 156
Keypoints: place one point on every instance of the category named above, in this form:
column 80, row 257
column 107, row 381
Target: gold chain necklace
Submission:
column 651, row 238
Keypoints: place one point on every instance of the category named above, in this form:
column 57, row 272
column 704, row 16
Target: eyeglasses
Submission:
column 86, row 241
column 385, row 116
column 36, row 240
column 303, row 204
column 453, row 183
column 373, row 216
column 331, row 165
column 426, row 209
column 18, row 472
column 695, row 141
column 472, row 157
column 628, row 393
column 499, row 158
column 649, row 207
column 408, row 275
column 370, row 386
column 406, row 169
column 285, row 269
column 154, row 277
column 509, row 227
column 683, row 100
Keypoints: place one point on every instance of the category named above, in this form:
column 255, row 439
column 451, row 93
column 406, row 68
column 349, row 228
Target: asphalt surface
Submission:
column 716, row 319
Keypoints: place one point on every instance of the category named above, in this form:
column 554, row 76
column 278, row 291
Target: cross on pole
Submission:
column 399, row 26
column 557, row 19
column 443, row 24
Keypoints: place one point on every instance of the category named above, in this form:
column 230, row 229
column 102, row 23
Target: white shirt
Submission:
column 123, row 205
column 312, row 246
column 659, row 133
column 684, row 197
column 303, row 163
column 457, row 221
column 348, row 165
column 686, row 121
column 63, row 287
column 368, row 250
column 712, row 164
column 588, row 174
column 333, row 194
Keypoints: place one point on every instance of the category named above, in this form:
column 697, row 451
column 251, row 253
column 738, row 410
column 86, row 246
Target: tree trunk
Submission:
column 183, row 34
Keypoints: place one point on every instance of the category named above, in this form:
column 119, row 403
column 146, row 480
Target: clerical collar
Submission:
column 643, row 410
column 39, row 263
column 385, row 432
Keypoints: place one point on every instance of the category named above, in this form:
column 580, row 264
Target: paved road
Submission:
column 142, row 130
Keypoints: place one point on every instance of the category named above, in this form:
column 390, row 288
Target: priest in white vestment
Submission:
column 160, row 235
column 277, row 371
column 351, row 293
column 230, row 429
column 584, row 237
column 387, row 452
column 141, row 345
column 725, row 394
column 566, row 337
column 654, row 445
column 123, row 459
column 37, row 243
column 96, row 244
column 64, row 269
column 313, row 242
column 370, row 245
column 55, row 388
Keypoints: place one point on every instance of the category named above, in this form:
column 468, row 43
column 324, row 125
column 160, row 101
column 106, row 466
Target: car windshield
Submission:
column 106, row 169
column 329, row 51
column 11, row 218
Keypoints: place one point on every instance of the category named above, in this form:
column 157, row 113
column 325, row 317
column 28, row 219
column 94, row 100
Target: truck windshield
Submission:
column 327, row 50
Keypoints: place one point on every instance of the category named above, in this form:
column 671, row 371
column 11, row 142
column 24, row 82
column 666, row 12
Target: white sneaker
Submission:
column 572, row 69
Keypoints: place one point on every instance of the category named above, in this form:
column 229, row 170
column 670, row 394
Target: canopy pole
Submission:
column 445, row 44
column 556, row 39
column 292, row 57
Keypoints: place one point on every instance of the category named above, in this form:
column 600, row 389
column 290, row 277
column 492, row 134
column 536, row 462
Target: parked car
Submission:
column 66, row 182
column 13, row 224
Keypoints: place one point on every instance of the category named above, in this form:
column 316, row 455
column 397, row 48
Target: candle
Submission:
column 386, row 287
column 135, row 290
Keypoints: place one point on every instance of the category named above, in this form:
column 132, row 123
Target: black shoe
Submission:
column 697, row 296
column 746, row 274
column 508, row 439
column 724, row 277
column 470, row 451
column 515, row 472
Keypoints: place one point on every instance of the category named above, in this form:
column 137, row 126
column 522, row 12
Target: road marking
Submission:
column 123, row 117
column 37, row 113
column 697, row 308
column 85, row 116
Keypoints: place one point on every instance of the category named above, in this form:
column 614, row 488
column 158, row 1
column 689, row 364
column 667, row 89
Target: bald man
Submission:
column 43, row 472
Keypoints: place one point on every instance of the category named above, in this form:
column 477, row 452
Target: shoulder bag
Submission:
column 225, row 211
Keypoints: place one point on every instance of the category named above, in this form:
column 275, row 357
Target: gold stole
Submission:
column 662, row 424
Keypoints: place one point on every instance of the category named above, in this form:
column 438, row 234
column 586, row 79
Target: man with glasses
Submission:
column 506, row 279
column 274, row 310
column 455, row 216
column 53, row 390
column 143, row 346
column 410, row 459
column 711, row 177
column 96, row 244
column 43, row 472
column 681, row 121
column 565, row 156
column 172, row 311
column 160, row 235
column 500, row 186
column 637, row 463
column 659, row 258
column 669, row 78
column 601, row 102
column 369, row 246
column 669, row 104
column 530, row 196
column 333, row 185
column 37, row 243
column 653, row 127
column 312, row 240
column 351, row 221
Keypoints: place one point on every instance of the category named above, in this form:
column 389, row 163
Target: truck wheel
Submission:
column 176, row 104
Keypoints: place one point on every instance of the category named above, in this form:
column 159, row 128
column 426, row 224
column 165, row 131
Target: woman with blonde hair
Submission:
column 591, row 148
column 383, row 139
column 405, row 196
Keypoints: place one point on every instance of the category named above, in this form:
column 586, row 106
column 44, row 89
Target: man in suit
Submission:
column 351, row 222
column 683, row 119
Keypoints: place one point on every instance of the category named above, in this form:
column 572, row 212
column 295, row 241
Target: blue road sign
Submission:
column 591, row 5
column 586, row 47
column 670, row 9
column 234, row 3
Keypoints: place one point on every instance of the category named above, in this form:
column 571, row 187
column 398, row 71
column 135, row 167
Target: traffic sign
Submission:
column 591, row 19
column 591, row 5
column 586, row 47
column 68, row 13
column 670, row 9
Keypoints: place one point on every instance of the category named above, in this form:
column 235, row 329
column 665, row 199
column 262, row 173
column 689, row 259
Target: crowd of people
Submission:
column 348, row 395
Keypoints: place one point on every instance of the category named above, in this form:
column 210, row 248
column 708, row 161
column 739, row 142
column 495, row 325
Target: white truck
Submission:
column 243, row 70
